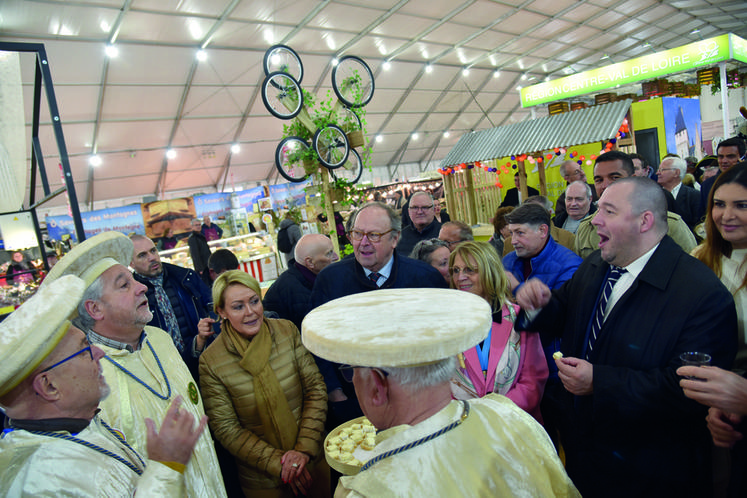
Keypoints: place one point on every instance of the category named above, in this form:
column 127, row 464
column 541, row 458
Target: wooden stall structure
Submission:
column 476, row 169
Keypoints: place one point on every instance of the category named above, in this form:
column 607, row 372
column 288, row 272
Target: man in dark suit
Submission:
column 375, row 264
column 571, row 172
column 625, row 316
column 289, row 295
column 512, row 195
column 670, row 174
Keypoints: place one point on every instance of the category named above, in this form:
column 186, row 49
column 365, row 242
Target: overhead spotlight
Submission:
column 111, row 51
column 695, row 31
column 94, row 161
column 605, row 56
column 235, row 148
column 547, row 78
column 428, row 68
column 171, row 153
column 415, row 136
column 496, row 73
column 335, row 62
column 523, row 77
column 386, row 66
column 201, row 55
column 518, row 87
column 379, row 138
column 447, row 134
column 465, row 72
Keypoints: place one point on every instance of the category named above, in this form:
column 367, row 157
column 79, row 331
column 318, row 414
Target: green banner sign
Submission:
column 648, row 67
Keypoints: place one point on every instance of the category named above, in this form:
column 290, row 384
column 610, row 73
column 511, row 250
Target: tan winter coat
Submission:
column 228, row 395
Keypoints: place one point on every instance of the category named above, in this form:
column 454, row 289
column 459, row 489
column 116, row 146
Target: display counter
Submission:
column 255, row 252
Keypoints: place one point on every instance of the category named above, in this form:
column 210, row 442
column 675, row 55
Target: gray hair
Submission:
column 540, row 200
column 94, row 292
column 587, row 189
column 413, row 379
column 424, row 249
column 465, row 231
column 679, row 164
column 395, row 222
column 647, row 195
column 564, row 164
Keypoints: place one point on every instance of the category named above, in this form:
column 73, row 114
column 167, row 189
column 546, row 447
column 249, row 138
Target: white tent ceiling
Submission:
column 157, row 95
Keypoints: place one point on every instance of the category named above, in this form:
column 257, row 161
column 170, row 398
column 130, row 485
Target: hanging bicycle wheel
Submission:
column 352, row 81
column 349, row 117
column 282, row 95
column 331, row 145
column 351, row 170
column 289, row 158
column 281, row 58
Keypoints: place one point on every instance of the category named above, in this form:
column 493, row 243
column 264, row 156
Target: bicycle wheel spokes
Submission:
column 331, row 145
column 289, row 158
column 351, row 170
column 282, row 95
column 281, row 58
column 352, row 81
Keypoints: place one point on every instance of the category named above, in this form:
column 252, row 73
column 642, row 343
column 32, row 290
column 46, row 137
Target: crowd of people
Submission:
column 478, row 362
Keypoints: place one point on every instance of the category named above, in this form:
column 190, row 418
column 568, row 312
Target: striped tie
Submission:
column 374, row 276
column 612, row 278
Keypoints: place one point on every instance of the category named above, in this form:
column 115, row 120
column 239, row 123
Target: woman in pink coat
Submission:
column 508, row 362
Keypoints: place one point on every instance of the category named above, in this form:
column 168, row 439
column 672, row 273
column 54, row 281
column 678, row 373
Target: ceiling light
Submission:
column 518, row 87
column 111, row 51
column 171, row 153
column 386, row 66
column 94, row 161
column 605, row 56
column 201, row 55
column 335, row 62
column 523, row 77
column 447, row 134
column 428, row 68
column 235, row 148
column 415, row 136
column 695, row 31
column 105, row 27
column 379, row 138
column 547, row 78
column 465, row 72
column 496, row 73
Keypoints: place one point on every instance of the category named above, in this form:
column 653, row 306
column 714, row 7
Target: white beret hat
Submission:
column 92, row 257
column 32, row 331
column 397, row 327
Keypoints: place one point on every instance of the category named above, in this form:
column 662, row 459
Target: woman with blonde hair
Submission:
column 265, row 397
column 507, row 362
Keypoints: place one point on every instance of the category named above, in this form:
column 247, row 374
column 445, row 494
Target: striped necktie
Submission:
column 374, row 277
column 612, row 278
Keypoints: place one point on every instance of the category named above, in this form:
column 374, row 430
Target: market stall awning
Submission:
column 593, row 124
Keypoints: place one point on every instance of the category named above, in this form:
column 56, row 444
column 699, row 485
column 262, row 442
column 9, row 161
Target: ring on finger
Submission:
column 294, row 465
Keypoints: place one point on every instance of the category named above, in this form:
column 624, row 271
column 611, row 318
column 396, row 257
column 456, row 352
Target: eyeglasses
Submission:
column 667, row 169
column 420, row 208
column 69, row 358
column 347, row 371
column 467, row 271
column 372, row 236
column 452, row 242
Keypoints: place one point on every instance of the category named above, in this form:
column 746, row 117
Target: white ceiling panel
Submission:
column 156, row 70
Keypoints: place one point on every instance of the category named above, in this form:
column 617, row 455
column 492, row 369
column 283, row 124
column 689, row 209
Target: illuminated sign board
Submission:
column 691, row 56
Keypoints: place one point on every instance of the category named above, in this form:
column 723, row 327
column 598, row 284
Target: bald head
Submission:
column 315, row 251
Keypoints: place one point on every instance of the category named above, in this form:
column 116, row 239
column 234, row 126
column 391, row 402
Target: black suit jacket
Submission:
column 512, row 196
column 688, row 205
column 637, row 434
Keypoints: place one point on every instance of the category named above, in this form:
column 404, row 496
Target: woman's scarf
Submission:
column 280, row 426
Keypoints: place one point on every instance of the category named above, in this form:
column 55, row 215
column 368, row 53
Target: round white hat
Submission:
column 32, row 331
column 397, row 327
column 92, row 257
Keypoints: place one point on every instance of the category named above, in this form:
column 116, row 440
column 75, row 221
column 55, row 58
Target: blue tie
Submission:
column 612, row 278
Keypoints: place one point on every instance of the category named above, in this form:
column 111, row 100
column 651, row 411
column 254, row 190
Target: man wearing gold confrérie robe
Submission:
column 142, row 365
column 429, row 444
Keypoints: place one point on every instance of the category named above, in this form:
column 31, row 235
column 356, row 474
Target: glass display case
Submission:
column 255, row 251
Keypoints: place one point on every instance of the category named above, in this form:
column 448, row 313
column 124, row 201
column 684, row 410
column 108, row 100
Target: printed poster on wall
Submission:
column 172, row 214
column 682, row 126
column 125, row 219
column 286, row 195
